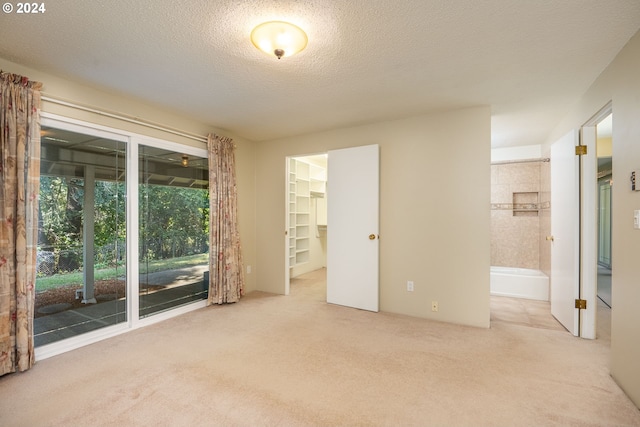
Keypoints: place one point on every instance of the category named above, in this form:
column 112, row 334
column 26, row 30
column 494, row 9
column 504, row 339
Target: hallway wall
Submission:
column 619, row 83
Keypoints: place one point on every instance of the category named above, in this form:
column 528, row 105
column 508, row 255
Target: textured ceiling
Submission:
column 367, row 60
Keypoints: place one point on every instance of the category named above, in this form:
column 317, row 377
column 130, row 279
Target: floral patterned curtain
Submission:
column 226, row 280
column 20, row 172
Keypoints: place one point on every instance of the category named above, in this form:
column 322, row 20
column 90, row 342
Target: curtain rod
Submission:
column 507, row 162
column 123, row 117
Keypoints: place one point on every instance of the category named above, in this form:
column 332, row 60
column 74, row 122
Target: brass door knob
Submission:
column 549, row 238
column 372, row 237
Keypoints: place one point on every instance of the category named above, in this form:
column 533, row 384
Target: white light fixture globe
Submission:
column 279, row 38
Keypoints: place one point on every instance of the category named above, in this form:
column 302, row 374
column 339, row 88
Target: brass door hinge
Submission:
column 581, row 150
column 581, row 304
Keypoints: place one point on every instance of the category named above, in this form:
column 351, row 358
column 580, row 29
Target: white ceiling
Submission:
column 367, row 60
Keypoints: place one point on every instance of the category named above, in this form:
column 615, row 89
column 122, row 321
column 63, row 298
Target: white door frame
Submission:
column 589, row 224
column 287, row 227
column 588, row 232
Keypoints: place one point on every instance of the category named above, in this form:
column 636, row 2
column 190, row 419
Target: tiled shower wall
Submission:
column 545, row 217
column 520, row 220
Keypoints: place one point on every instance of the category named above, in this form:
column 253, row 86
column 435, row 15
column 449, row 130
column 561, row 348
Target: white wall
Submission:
column 620, row 83
column 434, row 213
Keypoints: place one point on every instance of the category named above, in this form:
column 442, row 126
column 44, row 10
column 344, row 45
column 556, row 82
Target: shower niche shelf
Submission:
column 525, row 203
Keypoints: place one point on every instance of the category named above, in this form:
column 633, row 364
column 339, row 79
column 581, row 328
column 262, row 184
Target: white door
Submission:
column 565, row 229
column 352, row 227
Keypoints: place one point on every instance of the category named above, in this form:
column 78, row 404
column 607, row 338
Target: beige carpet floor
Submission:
column 296, row 361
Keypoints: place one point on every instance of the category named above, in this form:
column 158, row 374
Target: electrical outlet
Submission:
column 434, row 305
column 248, row 269
column 410, row 286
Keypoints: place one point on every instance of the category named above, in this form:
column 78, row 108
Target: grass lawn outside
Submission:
column 75, row 278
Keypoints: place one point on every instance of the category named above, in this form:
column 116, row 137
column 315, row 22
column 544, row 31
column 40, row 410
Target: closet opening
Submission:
column 306, row 213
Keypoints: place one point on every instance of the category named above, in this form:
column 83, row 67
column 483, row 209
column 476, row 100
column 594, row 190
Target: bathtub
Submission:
column 519, row 283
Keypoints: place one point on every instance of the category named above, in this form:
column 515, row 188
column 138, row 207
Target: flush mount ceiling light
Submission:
column 279, row 38
column 185, row 160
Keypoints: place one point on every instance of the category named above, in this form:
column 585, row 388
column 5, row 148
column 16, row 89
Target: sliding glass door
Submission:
column 123, row 231
column 80, row 284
